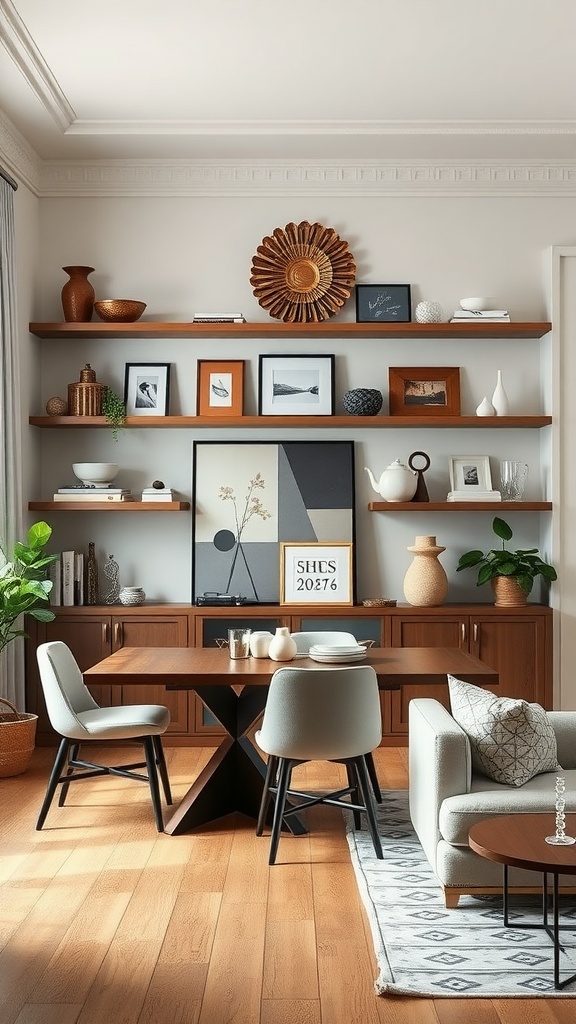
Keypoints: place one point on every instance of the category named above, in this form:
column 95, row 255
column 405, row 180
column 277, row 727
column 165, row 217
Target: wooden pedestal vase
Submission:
column 508, row 593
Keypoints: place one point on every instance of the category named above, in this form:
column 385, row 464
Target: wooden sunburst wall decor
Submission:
column 303, row 273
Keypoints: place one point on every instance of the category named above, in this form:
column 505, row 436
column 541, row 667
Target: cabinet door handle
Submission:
column 463, row 632
column 475, row 632
column 105, row 632
column 118, row 633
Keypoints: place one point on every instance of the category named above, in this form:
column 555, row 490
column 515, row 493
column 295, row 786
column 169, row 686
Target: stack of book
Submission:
column 67, row 576
column 490, row 316
column 83, row 494
column 475, row 494
column 157, row 494
column 218, row 318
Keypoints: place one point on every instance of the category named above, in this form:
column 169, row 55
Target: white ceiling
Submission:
column 308, row 79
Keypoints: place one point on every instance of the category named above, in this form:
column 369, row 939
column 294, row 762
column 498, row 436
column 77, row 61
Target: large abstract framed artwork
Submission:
column 249, row 497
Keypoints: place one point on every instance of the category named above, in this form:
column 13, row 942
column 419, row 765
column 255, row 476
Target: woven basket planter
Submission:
column 17, row 736
column 508, row 593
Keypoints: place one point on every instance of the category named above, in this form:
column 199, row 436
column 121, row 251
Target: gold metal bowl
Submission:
column 123, row 311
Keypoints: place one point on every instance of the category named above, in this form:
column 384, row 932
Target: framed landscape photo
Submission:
column 383, row 304
column 296, row 385
column 316, row 574
column 220, row 388
column 424, row 390
column 147, row 389
column 469, row 473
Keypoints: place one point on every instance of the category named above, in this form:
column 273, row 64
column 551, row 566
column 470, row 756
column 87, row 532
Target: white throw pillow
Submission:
column 511, row 740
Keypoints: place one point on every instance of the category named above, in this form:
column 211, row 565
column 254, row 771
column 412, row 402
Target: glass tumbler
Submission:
column 239, row 643
column 512, row 479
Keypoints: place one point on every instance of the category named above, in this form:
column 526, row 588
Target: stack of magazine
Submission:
column 488, row 316
column 218, row 318
column 84, row 494
column 474, row 494
column 157, row 494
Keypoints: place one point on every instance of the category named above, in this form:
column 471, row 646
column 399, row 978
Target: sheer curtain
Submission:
column 12, row 658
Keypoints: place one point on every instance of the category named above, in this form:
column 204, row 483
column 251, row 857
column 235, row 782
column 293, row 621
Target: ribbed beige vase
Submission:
column 508, row 593
column 425, row 582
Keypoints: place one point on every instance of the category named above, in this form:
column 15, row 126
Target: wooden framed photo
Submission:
column 383, row 303
column 220, row 389
column 296, row 385
column 424, row 390
column 316, row 573
column 147, row 389
column 469, row 473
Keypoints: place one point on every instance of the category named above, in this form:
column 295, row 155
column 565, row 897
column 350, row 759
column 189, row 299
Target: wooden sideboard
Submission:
column 516, row 641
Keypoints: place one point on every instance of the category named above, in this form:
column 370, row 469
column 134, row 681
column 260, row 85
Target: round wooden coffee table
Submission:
column 519, row 840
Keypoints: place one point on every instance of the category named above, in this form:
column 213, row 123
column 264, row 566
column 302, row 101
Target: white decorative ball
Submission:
column 428, row 313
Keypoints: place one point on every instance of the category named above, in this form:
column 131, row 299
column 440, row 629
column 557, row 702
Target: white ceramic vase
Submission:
column 500, row 398
column 485, row 408
column 282, row 646
column 260, row 641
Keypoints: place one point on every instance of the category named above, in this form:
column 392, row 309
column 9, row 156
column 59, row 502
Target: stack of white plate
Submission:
column 336, row 654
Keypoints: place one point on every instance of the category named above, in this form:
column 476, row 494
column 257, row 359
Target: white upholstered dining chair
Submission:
column 78, row 719
column 319, row 715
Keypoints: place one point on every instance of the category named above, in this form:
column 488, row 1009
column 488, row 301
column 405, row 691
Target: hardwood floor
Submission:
column 104, row 921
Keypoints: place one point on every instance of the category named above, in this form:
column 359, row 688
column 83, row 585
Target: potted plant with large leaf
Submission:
column 511, row 573
column 24, row 590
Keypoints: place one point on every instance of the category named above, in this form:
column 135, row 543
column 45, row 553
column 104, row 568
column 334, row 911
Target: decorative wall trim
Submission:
column 18, row 157
column 290, row 178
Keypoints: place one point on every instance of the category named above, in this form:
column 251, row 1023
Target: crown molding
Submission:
column 230, row 178
column 18, row 157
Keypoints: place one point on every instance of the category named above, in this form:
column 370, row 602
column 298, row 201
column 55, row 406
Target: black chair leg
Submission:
column 57, row 769
column 368, row 798
column 73, row 754
column 271, row 770
column 353, row 783
column 284, row 773
column 161, row 762
column 373, row 778
column 150, row 753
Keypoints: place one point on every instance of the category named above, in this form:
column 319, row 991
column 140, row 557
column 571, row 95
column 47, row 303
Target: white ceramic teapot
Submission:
column 397, row 483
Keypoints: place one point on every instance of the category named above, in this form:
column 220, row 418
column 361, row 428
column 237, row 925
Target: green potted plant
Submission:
column 24, row 586
column 114, row 411
column 511, row 573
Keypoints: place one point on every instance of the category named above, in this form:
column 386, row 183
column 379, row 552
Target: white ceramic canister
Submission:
column 282, row 646
column 260, row 643
column 132, row 595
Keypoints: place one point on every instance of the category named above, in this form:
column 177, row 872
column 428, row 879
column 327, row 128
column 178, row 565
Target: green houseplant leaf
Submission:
column 24, row 586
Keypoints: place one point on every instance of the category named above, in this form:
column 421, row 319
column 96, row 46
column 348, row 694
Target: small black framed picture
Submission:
column 147, row 389
column 383, row 304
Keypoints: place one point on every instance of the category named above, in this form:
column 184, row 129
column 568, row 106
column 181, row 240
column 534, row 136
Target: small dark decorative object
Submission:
column 421, row 492
column 158, row 485
column 57, row 406
column 92, row 576
column 362, row 402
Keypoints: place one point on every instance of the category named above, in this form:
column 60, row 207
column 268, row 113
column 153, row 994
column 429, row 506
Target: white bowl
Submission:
column 98, row 473
column 476, row 304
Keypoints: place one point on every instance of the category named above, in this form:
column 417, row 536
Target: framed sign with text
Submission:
column 316, row 573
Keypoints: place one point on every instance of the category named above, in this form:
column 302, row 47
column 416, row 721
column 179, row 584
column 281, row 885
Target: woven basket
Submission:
column 17, row 735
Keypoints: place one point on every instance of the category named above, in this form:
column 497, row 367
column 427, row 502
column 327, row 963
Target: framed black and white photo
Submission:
column 220, row 388
column 296, row 385
column 147, row 389
column 316, row 574
column 469, row 473
column 249, row 497
column 383, row 303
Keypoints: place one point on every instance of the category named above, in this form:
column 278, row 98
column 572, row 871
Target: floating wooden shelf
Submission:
column 276, row 329
column 459, row 506
column 108, row 506
column 349, row 422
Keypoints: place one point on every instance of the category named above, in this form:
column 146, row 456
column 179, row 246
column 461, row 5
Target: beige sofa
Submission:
column 446, row 798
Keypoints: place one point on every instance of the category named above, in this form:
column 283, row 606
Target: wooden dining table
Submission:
column 235, row 692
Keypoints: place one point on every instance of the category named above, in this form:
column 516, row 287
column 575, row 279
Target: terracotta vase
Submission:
column 78, row 295
column 508, row 593
column 425, row 582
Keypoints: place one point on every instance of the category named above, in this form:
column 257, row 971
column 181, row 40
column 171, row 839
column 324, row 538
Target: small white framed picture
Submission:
column 147, row 389
column 296, row 385
column 470, row 472
column 316, row 573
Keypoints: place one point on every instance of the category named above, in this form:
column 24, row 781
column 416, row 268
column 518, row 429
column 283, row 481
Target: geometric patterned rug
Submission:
column 424, row 949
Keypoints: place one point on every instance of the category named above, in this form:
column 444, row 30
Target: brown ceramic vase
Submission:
column 78, row 295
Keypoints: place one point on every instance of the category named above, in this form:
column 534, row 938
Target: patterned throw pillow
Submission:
column 511, row 740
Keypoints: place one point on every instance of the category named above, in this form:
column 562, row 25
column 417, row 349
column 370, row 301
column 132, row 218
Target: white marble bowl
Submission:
column 96, row 473
column 476, row 304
